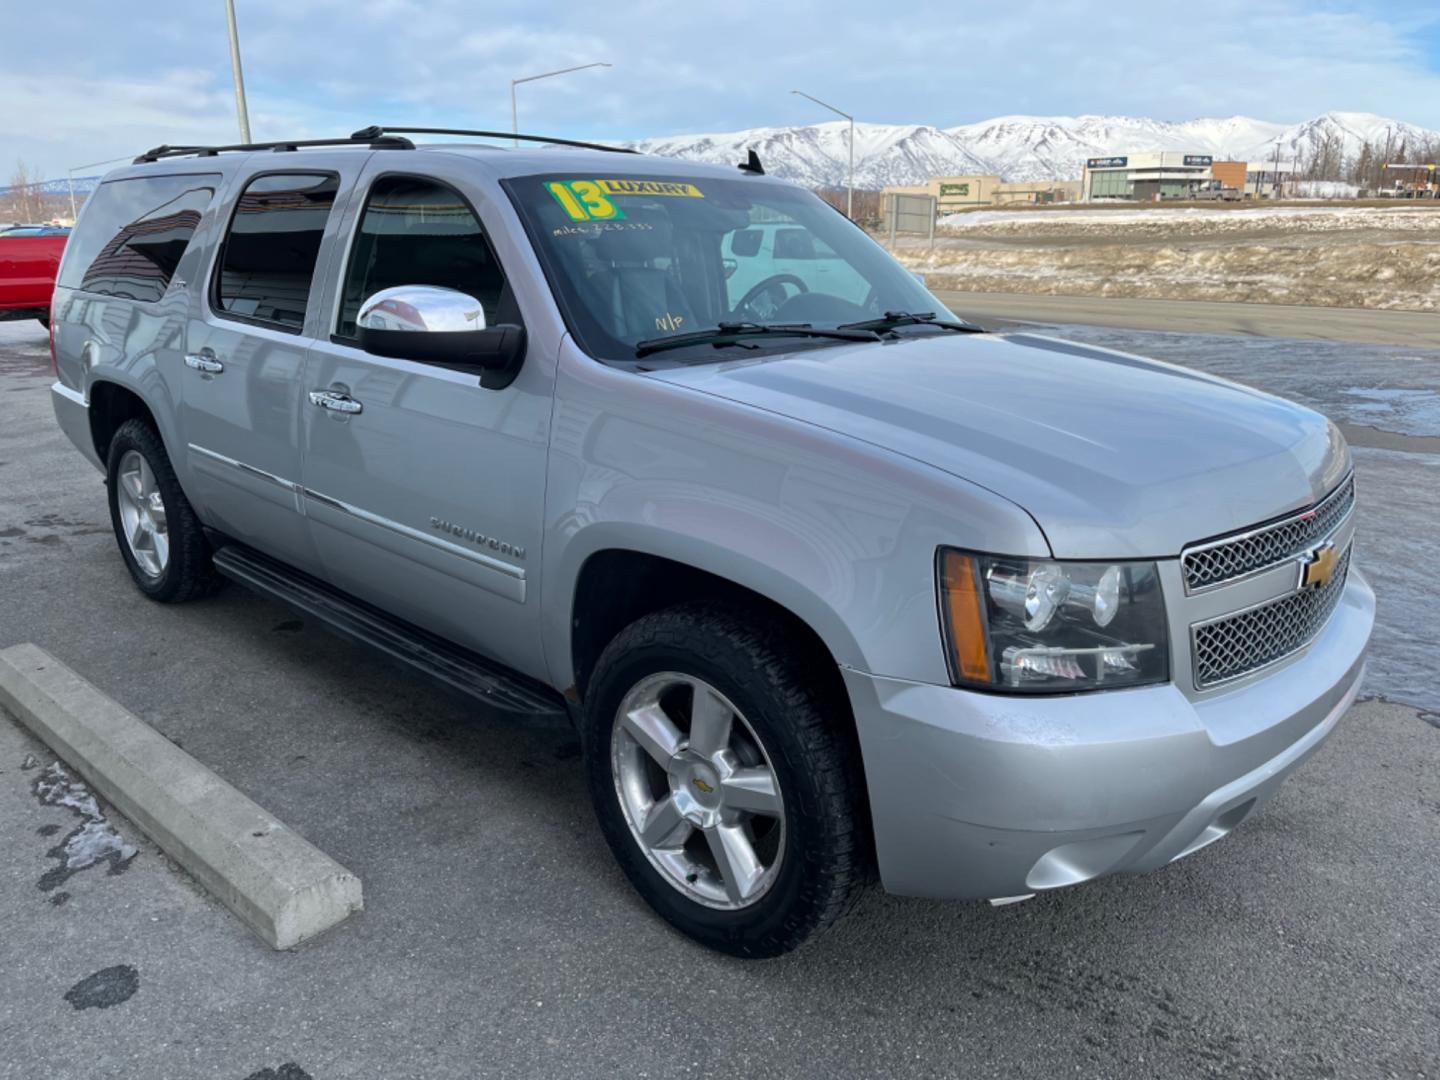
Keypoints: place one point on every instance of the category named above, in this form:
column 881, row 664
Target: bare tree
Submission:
column 27, row 199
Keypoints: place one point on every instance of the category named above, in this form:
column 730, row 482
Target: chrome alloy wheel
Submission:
column 698, row 790
column 142, row 514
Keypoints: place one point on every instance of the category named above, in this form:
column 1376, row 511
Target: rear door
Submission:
column 245, row 348
column 429, row 501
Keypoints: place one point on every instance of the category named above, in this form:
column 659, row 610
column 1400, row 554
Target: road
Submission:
column 498, row 939
column 1410, row 328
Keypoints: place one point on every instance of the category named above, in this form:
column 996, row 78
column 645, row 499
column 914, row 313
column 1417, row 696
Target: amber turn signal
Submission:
column 961, row 606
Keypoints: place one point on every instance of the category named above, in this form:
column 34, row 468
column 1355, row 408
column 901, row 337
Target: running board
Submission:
column 485, row 680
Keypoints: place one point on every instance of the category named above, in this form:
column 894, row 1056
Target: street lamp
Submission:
column 514, row 113
column 240, row 108
column 850, row 182
column 70, row 179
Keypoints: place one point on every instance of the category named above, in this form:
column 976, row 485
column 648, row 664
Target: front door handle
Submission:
column 205, row 362
column 335, row 401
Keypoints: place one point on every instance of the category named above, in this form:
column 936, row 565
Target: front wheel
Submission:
column 724, row 781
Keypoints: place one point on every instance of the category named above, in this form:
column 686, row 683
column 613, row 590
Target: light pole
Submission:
column 240, row 108
column 850, row 180
column 514, row 111
column 70, row 179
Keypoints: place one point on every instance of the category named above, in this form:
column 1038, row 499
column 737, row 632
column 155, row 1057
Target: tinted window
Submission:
column 419, row 232
column 132, row 233
column 794, row 244
column 270, row 251
column 746, row 242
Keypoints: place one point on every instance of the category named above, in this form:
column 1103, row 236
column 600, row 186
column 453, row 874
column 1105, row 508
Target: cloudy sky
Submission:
column 93, row 79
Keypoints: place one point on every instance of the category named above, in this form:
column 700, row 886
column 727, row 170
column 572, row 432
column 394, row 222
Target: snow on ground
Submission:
column 1347, row 256
column 1399, row 216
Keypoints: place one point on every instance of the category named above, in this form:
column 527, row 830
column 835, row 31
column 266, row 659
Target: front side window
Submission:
column 631, row 259
column 133, row 233
column 420, row 232
column 268, row 260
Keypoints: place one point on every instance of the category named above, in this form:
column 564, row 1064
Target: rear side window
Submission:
column 268, row 259
column 133, row 232
column 419, row 232
column 746, row 243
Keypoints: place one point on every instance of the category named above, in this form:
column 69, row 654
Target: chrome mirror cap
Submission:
column 426, row 308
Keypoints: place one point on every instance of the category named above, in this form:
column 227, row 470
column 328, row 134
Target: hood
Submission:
column 1113, row 455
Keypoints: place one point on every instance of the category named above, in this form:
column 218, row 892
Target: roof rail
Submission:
column 381, row 132
column 376, row 141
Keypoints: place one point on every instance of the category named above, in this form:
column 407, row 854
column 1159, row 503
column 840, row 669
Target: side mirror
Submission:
column 444, row 327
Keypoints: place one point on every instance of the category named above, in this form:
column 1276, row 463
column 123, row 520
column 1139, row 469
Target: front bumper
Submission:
column 988, row 796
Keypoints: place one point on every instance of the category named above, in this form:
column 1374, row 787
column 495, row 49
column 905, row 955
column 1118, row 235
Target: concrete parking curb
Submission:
column 277, row 882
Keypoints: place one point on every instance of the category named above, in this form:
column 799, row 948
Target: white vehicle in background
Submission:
column 778, row 261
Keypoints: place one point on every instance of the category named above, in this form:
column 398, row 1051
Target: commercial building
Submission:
column 1270, row 179
column 952, row 193
column 1146, row 177
column 1230, row 174
column 1036, row 192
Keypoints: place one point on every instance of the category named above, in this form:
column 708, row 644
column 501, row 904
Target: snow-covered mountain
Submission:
column 817, row 155
column 1026, row 147
column 84, row 185
column 1055, row 147
column 1349, row 131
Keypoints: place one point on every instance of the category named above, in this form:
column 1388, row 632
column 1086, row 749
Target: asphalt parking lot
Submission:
column 499, row 940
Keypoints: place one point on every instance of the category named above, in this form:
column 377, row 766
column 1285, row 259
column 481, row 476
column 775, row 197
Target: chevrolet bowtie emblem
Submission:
column 1319, row 567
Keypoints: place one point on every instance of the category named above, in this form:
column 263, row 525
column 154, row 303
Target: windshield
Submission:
column 33, row 230
column 633, row 259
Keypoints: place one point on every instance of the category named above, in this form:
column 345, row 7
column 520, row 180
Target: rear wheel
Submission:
column 724, row 781
column 160, row 537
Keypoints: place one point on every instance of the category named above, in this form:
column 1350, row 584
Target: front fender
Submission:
column 841, row 533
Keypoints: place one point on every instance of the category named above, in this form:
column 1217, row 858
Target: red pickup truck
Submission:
column 29, row 260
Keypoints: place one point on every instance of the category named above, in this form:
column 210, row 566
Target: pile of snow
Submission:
column 1326, row 189
column 1346, row 216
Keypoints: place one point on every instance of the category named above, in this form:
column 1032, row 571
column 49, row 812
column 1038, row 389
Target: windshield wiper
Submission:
column 891, row 319
column 730, row 333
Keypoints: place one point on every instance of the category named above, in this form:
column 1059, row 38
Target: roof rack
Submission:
column 381, row 132
column 376, row 141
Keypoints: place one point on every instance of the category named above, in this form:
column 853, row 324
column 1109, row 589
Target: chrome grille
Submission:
column 1218, row 561
column 1235, row 645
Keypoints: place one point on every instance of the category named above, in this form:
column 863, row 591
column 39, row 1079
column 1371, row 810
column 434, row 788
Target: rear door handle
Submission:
column 205, row 362
column 335, row 401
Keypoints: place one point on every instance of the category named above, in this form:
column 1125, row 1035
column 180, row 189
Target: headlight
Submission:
column 1037, row 625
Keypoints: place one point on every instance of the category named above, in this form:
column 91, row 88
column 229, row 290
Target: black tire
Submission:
column 188, row 573
column 812, row 750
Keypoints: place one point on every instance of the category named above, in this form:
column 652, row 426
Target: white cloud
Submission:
column 104, row 81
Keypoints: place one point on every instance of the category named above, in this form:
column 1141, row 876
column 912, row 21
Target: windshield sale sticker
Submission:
column 589, row 200
column 650, row 187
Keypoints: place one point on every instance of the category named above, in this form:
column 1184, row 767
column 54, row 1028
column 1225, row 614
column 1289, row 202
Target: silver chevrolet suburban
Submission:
column 833, row 583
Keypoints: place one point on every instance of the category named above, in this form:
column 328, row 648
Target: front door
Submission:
column 426, row 497
column 245, row 353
